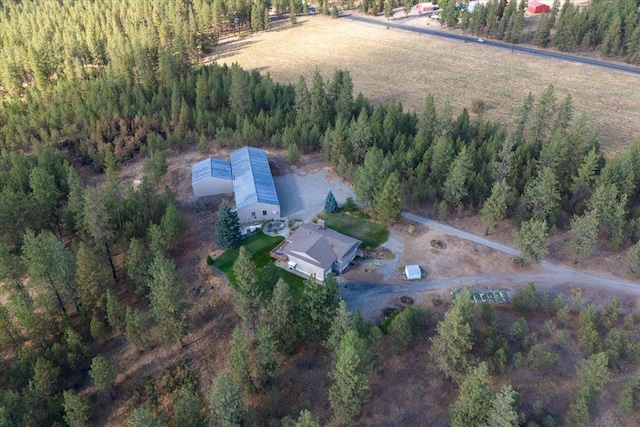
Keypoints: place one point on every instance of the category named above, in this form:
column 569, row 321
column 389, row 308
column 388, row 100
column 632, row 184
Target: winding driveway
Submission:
column 371, row 298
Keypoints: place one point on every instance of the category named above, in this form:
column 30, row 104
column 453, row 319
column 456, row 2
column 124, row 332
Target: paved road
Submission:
column 512, row 47
column 371, row 298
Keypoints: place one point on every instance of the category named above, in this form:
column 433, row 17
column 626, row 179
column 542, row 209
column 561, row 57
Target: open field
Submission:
column 390, row 64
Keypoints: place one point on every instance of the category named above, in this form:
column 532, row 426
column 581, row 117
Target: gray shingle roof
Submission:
column 319, row 246
column 252, row 180
column 210, row 167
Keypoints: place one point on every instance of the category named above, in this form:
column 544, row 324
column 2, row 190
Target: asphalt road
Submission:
column 497, row 44
column 370, row 299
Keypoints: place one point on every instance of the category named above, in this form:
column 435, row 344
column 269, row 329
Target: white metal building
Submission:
column 248, row 176
column 413, row 272
column 210, row 177
column 255, row 192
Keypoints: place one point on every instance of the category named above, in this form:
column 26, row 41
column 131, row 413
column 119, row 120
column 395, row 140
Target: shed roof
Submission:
column 319, row 246
column 210, row 167
column 252, row 180
column 413, row 271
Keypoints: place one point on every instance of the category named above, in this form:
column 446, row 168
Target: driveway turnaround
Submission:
column 371, row 299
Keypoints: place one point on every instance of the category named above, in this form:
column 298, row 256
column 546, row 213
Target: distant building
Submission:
column 247, row 175
column 315, row 250
column 537, row 7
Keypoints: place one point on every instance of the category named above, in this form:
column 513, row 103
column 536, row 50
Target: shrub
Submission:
column 349, row 205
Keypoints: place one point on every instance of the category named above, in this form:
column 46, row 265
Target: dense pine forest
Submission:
column 116, row 81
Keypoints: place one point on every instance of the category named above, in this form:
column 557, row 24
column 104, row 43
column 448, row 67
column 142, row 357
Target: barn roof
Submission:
column 252, row 180
column 210, row 167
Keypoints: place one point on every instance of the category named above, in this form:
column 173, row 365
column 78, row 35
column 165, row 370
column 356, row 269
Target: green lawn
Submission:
column 258, row 246
column 372, row 234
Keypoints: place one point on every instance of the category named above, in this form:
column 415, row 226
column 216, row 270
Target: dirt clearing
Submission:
column 388, row 64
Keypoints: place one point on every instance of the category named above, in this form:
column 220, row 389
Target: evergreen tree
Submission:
column 187, row 407
column 103, row 375
column 115, row 315
column 169, row 300
column 503, row 411
column 330, row 203
column 240, row 360
column 77, row 409
column 225, row 401
column 388, row 9
column 387, row 204
column 371, row 175
column 351, row 375
column 135, row 329
column 306, row 419
column 144, row 416
column 318, row 306
column 473, row 403
column 227, row 227
column 530, row 240
column 456, row 186
column 404, row 327
column 541, row 198
column 453, row 341
column 342, row 322
column 281, row 316
column 267, row 364
column 246, row 292
column 583, row 235
column 494, row 208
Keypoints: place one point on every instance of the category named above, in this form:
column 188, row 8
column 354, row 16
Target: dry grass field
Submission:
column 390, row 64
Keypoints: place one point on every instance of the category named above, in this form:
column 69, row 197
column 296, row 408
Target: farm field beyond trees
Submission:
column 390, row 64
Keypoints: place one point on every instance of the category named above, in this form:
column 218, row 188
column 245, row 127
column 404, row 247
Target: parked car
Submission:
column 480, row 40
column 312, row 10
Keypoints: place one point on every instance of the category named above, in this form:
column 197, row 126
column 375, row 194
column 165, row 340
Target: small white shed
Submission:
column 413, row 272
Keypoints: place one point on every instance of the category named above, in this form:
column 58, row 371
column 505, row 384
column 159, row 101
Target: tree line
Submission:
column 610, row 28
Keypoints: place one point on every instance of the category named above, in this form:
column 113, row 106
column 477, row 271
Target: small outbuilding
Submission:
column 210, row 177
column 537, row 7
column 413, row 272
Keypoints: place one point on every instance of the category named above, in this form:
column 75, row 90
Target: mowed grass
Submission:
column 388, row 64
column 258, row 246
column 372, row 234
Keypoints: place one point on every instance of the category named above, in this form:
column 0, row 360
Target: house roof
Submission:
column 210, row 167
column 319, row 246
column 252, row 180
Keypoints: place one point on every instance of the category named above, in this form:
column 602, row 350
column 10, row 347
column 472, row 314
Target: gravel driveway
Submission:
column 302, row 195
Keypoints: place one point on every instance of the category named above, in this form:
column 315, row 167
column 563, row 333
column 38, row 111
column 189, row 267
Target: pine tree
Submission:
column 281, row 316
column 246, row 292
column 473, row 403
column 456, row 186
column 225, row 401
column 115, row 315
column 187, row 407
column 503, row 411
column 541, row 198
column 330, row 203
column 583, row 235
column 351, row 375
column 135, row 329
column 453, row 341
column 371, row 175
column 267, row 364
column 227, row 227
column 530, row 240
column 388, row 9
column 77, row 409
column 240, row 360
column 306, row 419
column 387, row 204
column 169, row 300
column 103, row 374
column 494, row 208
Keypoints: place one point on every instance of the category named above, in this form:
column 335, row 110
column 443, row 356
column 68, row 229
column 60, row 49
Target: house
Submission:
column 537, row 7
column 315, row 250
column 247, row 175
column 424, row 7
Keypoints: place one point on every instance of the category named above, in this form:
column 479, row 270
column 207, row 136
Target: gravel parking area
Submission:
column 302, row 194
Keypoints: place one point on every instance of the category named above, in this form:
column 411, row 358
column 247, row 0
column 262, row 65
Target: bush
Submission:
column 349, row 205
column 477, row 106
column 209, row 260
